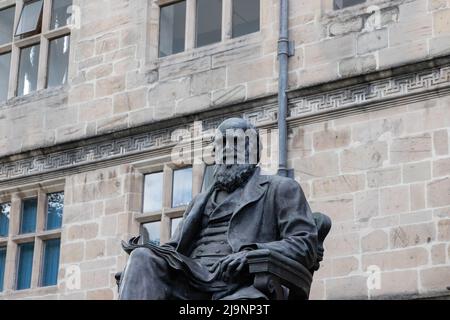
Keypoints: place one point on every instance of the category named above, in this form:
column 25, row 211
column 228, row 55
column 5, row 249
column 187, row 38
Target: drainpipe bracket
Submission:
column 286, row 47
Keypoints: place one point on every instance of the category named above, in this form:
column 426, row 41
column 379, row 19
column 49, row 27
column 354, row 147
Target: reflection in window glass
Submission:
column 30, row 18
column 153, row 192
column 175, row 222
column 340, row 4
column 172, row 29
column 182, row 187
column 51, row 263
column 61, row 13
column 2, row 266
column 5, row 60
column 209, row 22
column 208, row 178
column 25, row 265
column 28, row 70
column 55, row 208
column 152, row 232
column 58, row 61
column 6, row 24
column 28, row 218
column 5, row 210
column 245, row 17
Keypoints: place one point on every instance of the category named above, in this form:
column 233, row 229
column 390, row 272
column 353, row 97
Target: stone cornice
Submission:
column 378, row 90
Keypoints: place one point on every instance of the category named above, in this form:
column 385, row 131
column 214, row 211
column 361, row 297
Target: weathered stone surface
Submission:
column 412, row 235
column 394, row 200
column 399, row 259
column 413, row 148
column 375, row 241
column 432, row 278
column 372, row 41
column 331, row 139
column 438, row 193
column 419, row 171
column 317, row 166
column 384, row 177
column 368, row 156
column 338, row 185
column 360, row 65
column 366, row 205
column 343, row 27
column 354, row 287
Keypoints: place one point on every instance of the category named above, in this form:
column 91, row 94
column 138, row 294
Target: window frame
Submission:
column 14, row 239
column 191, row 22
column 167, row 213
column 42, row 38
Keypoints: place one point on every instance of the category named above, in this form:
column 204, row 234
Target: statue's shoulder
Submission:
column 276, row 180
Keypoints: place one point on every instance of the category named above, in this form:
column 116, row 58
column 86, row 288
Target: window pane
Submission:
column 2, row 266
column 5, row 60
column 208, row 178
column 25, row 266
column 28, row 70
column 28, row 221
column 6, row 25
column 172, row 27
column 61, row 13
column 245, row 17
column 55, row 208
column 51, row 263
column 340, row 4
column 58, row 61
column 209, row 22
column 153, row 192
column 182, row 187
column 30, row 18
column 152, row 232
column 175, row 223
column 5, row 209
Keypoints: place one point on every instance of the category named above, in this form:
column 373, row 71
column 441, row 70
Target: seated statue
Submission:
column 241, row 212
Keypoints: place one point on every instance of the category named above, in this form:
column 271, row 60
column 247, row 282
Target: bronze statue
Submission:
column 243, row 213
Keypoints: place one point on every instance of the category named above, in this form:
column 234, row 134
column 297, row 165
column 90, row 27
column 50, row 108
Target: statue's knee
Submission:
column 140, row 254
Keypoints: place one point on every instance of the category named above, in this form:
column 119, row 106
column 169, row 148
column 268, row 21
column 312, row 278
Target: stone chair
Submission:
column 282, row 278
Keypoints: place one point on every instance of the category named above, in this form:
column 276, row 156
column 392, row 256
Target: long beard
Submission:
column 228, row 177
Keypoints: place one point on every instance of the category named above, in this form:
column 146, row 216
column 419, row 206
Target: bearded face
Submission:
column 236, row 148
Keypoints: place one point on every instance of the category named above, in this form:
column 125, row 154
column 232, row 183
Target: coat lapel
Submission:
column 253, row 191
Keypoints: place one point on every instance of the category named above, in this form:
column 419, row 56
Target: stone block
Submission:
column 441, row 22
column 441, row 142
column 399, row 284
column 368, row 156
column 433, row 278
column 397, row 259
column 412, row 235
column 394, row 200
column 340, row 28
column 109, row 86
column 331, row 139
column 411, row 148
column 374, row 241
column 319, row 165
column 372, row 41
column 338, row 208
column 354, row 287
column 359, row 65
column 329, row 50
column 338, row 185
column 207, row 81
column 444, row 230
column 384, row 177
column 366, row 205
column 414, row 172
column 345, row 266
column 438, row 253
column 417, row 196
column 438, row 193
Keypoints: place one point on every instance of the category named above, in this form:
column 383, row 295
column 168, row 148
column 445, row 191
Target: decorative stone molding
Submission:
column 113, row 148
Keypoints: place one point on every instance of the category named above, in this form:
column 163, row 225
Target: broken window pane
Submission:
column 58, row 61
column 245, row 17
column 61, row 13
column 30, row 18
column 5, row 60
column 341, row 4
column 28, row 70
column 6, row 24
column 172, row 29
column 209, row 22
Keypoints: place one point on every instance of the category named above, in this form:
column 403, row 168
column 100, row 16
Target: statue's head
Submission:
column 237, row 152
column 237, row 141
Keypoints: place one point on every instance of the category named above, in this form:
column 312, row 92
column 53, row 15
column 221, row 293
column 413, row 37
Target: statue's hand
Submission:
column 233, row 264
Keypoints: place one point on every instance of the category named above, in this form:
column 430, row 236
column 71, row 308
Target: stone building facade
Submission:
column 369, row 120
